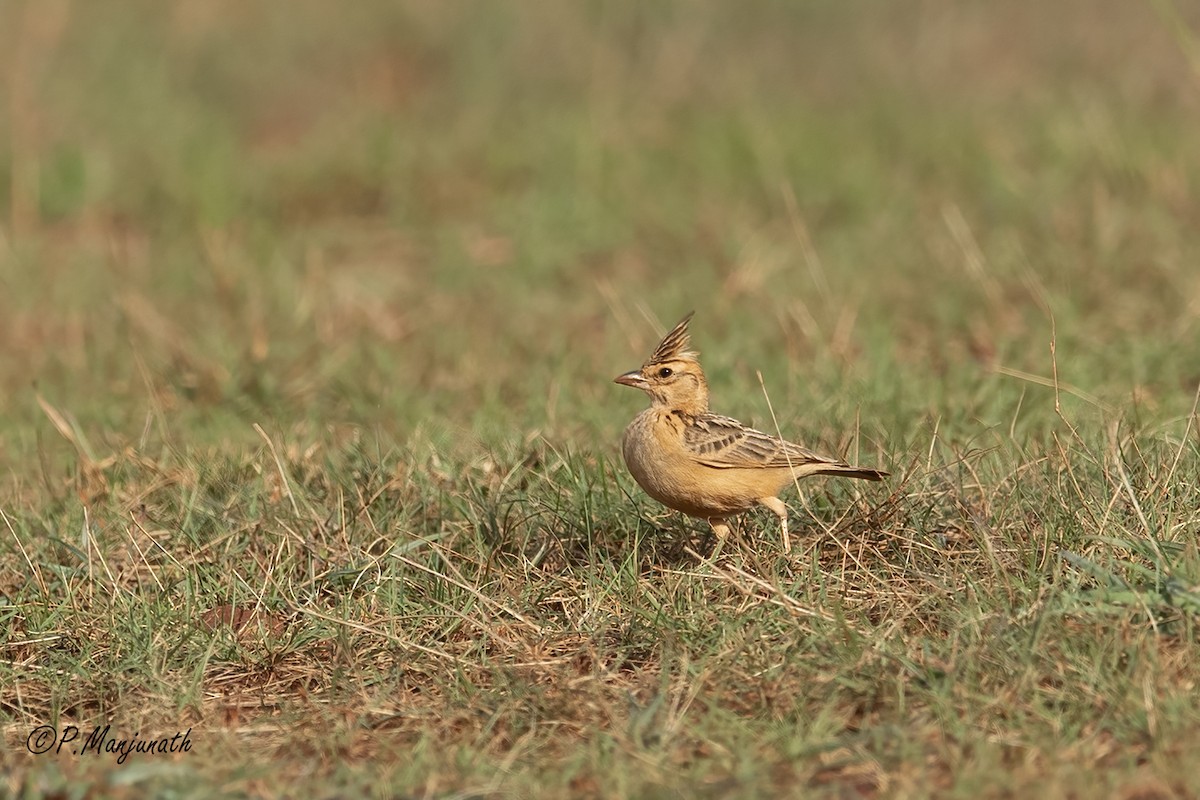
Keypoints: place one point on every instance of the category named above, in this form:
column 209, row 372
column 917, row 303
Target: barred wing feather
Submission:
column 725, row 443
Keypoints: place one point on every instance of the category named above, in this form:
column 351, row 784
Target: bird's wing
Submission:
column 725, row 443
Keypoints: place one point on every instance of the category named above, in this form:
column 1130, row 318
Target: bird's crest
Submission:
column 675, row 344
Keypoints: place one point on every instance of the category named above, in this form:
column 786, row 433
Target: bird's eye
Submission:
column 665, row 372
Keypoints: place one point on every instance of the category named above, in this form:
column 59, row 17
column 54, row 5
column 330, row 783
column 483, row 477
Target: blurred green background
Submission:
column 473, row 214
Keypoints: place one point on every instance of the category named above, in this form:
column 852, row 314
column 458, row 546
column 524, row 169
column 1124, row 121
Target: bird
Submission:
column 703, row 464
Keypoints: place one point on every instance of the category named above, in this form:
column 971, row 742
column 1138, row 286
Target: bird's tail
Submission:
column 848, row 471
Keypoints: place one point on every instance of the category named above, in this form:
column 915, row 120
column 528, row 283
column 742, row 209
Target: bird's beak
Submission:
column 633, row 379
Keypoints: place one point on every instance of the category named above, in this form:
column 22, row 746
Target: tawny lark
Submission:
column 702, row 464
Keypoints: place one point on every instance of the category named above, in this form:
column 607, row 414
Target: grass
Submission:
column 308, row 442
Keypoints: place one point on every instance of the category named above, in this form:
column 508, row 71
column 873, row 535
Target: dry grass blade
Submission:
column 461, row 584
column 69, row 431
column 283, row 476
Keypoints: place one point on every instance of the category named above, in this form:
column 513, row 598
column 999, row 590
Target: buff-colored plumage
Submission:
column 706, row 465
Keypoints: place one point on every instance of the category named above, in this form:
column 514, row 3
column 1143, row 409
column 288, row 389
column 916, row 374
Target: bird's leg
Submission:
column 722, row 530
column 776, row 505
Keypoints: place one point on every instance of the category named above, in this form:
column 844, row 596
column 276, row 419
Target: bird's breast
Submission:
column 653, row 450
column 659, row 461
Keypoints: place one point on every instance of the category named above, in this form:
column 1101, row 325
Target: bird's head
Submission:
column 672, row 376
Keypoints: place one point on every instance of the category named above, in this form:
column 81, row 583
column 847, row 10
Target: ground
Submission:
column 309, row 445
